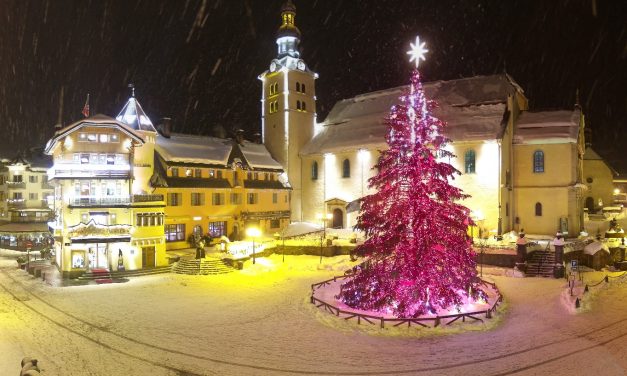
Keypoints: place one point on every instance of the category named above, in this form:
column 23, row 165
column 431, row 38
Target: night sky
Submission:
column 197, row 61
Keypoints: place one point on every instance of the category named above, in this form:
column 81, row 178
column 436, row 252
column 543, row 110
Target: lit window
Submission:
column 82, row 137
column 114, row 138
column 188, row 172
column 469, row 162
column 538, row 161
column 175, row 232
column 217, row 229
column 314, row 170
column 92, row 137
column 103, row 137
column 346, row 169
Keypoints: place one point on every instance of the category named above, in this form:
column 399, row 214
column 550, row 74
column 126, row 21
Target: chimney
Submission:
column 239, row 136
column 165, row 128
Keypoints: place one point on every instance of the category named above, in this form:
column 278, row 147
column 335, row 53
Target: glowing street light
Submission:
column 323, row 218
column 253, row 232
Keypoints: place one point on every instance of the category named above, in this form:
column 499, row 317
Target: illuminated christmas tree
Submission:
column 419, row 254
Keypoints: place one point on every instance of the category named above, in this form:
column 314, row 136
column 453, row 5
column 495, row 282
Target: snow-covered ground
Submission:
column 259, row 321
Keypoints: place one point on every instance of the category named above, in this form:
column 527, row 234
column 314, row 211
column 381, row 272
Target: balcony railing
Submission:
column 16, row 184
column 98, row 201
column 147, row 198
column 46, row 185
column 31, row 218
column 16, row 203
column 76, row 170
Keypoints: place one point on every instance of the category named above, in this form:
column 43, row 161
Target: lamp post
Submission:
column 323, row 218
column 253, row 232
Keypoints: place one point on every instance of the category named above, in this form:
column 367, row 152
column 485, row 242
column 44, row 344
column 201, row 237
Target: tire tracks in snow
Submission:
column 94, row 330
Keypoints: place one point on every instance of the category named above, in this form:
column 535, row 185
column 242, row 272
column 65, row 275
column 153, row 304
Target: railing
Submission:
column 16, row 203
column 543, row 259
column 16, row 184
column 420, row 321
column 98, row 201
column 147, row 198
column 46, row 185
column 32, row 218
column 579, row 295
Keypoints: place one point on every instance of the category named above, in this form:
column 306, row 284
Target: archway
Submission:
column 338, row 218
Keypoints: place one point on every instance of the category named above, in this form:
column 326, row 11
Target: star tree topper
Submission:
column 417, row 52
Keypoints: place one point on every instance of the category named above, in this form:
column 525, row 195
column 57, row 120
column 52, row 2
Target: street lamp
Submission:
column 253, row 232
column 323, row 218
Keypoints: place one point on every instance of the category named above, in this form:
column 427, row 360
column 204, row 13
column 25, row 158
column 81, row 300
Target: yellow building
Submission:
column 548, row 155
column 218, row 187
column 105, row 216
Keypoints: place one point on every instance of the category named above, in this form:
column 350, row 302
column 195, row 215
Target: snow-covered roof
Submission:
column 133, row 114
column 98, row 120
column 184, row 148
column 257, row 156
column 300, row 228
column 547, row 127
column 595, row 247
column 473, row 109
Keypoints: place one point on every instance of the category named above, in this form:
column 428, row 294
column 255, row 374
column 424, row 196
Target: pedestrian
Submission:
column 558, row 243
column 521, row 247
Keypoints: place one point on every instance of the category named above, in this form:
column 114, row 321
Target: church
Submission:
column 522, row 169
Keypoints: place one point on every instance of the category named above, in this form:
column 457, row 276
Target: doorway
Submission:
column 338, row 218
column 590, row 204
column 148, row 257
column 98, row 256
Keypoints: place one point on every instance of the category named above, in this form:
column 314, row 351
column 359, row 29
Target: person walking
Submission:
column 521, row 247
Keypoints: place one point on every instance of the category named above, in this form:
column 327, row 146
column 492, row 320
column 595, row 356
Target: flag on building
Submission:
column 86, row 107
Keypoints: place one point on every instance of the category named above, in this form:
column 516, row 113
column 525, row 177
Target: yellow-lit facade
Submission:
column 106, row 217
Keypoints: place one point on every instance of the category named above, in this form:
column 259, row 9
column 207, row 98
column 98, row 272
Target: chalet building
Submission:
column 26, row 201
column 106, row 214
column 217, row 187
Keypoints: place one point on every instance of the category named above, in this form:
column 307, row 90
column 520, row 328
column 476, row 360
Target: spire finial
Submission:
column 132, row 87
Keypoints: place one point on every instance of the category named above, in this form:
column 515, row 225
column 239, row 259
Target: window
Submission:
column 287, row 198
column 298, row 105
column 33, row 196
column 175, row 232
column 216, row 229
column 197, row 173
column 298, row 86
column 188, row 172
column 174, row 199
column 538, row 209
column 256, row 175
column 198, row 199
column 212, row 173
column 275, row 198
column 103, row 137
column 253, row 198
column 110, row 159
column 249, row 175
column 538, row 161
column 304, row 106
column 217, row 199
column 114, row 138
column 92, row 137
column 84, row 158
column 302, row 88
column 236, row 198
column 82, row 137
column 469, row 162
column 274, row 88
column 32, row 179
column 145, row 219
column 175, row 172
column 219, row 174
column 275, row 223
column 346, row 169
column 17, row 195
column 274, row 106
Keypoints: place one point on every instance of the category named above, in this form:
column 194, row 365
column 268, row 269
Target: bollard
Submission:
column 585, row 290
column 577, row 304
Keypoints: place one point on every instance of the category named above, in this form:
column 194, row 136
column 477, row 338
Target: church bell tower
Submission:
column 288, row 105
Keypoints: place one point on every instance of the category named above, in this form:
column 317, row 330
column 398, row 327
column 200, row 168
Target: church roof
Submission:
column 547, row 127
column 133, row 114
column 472, row 107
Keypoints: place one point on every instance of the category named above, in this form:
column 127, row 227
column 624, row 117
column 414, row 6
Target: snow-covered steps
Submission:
column 201, row 267
column 541, row 264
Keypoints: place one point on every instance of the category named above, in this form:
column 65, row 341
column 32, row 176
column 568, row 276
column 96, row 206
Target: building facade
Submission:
column 26, row 201
column 106, row 215
column 218, row 187
column 599, row 178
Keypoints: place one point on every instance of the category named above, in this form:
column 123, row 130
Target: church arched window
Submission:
column 298, row 86
column 298, row 105
column 538, row 209
column 346, row 169
column 469, row 162
column 303, row 106
column 302, row 88
column 314, row 170
column 538, row 161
